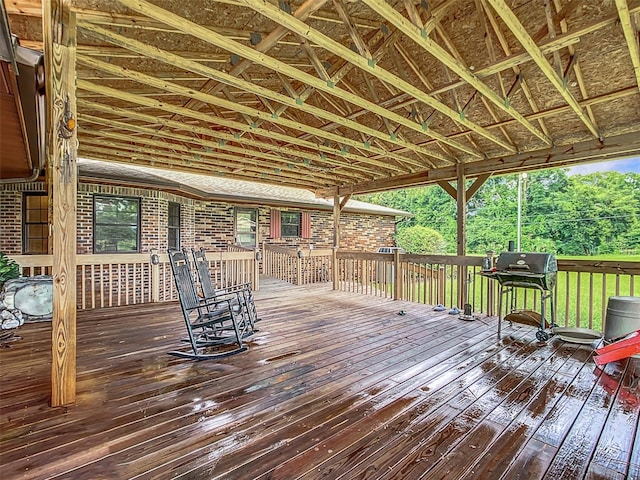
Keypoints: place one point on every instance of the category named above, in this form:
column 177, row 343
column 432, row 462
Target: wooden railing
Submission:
column 429, row 279
column 297, row 266
column 129, row 279
column 580, row 294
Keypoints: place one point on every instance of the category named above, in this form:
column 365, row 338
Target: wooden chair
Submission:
column 243, row 303
column 209, row 323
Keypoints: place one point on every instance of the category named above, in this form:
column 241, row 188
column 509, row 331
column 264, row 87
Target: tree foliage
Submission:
column 421, row 240
column 590, row 214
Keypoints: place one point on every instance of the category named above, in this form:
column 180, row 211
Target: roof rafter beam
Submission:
column 185, row 112
column 416, row 34
column 630, row 35
column 360, row 44
column 108, row 155
column 561, row 12
column 518, row 30
column 226, row 79
column 214, row 100
column 211, row 149
column 620, row 146
column 98, row 142
column 370, row 67
column 223, row 138
column 254, row 56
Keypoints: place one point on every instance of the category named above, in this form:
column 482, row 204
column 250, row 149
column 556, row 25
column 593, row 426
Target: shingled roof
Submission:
column 207, row 187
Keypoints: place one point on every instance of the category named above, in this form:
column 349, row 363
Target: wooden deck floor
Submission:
column 333, row 386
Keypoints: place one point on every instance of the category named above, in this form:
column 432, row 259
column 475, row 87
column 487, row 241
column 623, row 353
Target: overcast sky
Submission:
column 623, row 166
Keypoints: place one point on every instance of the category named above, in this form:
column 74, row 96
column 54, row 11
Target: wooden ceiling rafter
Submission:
column 265, row 44
column 616, row 95
column 224, row 138
column 187, row 113
column 363, row 49
column 575, row 61
column 551, row 29
column 431, row 24
column 108, row 155
column 372, row 68
column 615, row 147
column 352, row 64
column 345, row 67
column 456, row 54
column 208, row 148
column 416, row 34
column 517, row 29
column 272, row 63
column 630, row 35
column 172, row 152
column 234, row 125
column 227, row 79
column 504, row 44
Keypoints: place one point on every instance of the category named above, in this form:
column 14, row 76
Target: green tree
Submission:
column 572, row 215
column 421, row 240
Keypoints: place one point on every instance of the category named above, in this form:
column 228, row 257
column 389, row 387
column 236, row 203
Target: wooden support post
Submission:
column 59, row 34
column 461, row 203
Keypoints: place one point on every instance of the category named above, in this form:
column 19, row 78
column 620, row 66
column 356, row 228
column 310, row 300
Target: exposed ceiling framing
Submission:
column 344, row 96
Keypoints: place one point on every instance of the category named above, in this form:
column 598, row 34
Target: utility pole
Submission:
column 522, row 180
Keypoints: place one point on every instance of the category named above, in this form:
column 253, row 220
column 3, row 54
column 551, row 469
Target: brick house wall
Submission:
column 205, row 224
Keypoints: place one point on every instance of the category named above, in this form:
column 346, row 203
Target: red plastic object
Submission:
column 618, row 350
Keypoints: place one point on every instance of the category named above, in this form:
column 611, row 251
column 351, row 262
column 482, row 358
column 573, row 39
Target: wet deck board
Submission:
column 335, row 385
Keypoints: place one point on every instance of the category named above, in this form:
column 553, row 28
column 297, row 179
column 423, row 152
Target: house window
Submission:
column 116, row 224
column 291, row 224
column 173, row 225
column 35, row 228
column 246, row 227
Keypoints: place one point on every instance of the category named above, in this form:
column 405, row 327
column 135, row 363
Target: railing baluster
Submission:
column 567, row 298
column 590, row 300
column 578, row 290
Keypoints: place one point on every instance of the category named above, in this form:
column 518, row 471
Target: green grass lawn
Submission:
column 609, row 258
column 581, row 298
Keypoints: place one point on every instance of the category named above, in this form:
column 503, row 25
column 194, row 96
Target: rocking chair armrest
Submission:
column 239, row 287
column 222, row 296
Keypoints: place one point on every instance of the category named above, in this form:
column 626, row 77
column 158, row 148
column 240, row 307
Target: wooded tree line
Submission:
column 591, row 214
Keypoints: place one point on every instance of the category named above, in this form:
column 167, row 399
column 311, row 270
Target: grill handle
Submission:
column 518, row 267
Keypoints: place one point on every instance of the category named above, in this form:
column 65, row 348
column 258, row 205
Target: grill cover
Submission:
column 527, row 269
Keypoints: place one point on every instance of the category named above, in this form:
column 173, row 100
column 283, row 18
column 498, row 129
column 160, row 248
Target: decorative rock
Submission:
column 10, row 319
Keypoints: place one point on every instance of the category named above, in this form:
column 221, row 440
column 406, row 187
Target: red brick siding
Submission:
column 203, row 224
column 11, row 215
column 214, row 222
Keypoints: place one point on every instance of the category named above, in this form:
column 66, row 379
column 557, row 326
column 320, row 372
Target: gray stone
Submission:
column 32, row 296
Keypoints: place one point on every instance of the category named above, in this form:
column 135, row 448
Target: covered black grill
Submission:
column 526, row 270
column 533, row 270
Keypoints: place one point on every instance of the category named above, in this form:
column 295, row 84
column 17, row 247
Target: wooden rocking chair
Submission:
column 243, row 303
column 209, row 323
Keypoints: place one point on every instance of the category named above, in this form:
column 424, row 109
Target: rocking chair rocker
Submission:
column 209, row 323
